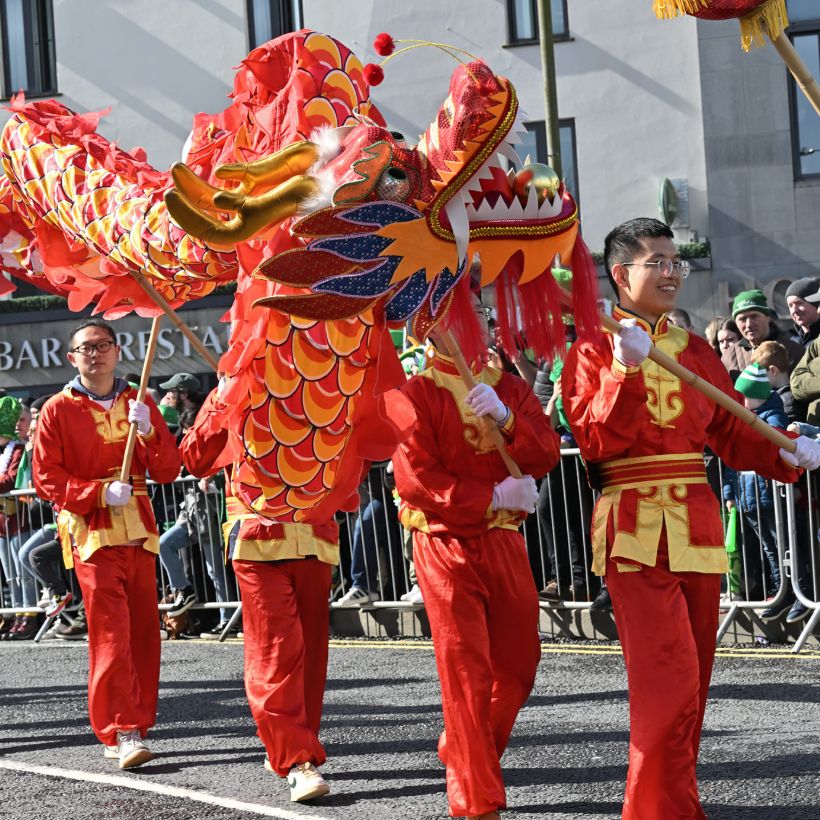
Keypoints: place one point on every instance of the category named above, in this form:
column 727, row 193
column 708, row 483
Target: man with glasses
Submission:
column 657, row 534
column 108, row 531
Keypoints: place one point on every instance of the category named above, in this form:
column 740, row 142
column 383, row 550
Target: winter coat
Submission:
column 804, row 339
column 805, row 381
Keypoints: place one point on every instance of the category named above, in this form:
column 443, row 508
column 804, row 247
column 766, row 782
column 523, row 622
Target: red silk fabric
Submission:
column 119, row 587
column 286, row 626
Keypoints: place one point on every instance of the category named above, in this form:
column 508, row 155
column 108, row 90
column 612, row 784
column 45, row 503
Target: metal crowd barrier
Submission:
column 377, row 555
column 193, row 515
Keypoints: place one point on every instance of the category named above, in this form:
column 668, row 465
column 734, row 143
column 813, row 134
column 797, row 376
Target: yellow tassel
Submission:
column 666, row 9
column 771, row 18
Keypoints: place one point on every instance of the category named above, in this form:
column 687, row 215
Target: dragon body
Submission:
column 326, row 252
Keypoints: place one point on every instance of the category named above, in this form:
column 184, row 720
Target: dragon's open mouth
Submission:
column 482, row 186
column 497, row 197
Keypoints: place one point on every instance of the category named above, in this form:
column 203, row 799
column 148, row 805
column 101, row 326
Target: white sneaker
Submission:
column 131, row 749
column 413, row 596
column 355, row 597
column 306, row 783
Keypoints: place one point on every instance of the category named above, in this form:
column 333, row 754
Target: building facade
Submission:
column 644, row 105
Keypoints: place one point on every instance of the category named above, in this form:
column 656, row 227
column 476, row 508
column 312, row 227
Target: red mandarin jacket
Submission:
column 643, row 431
column 447, row 467
column 78, row 450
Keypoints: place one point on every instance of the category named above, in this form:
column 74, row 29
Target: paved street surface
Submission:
column 760, row 758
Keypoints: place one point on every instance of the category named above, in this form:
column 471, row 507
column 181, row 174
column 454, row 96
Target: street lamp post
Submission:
column 550, row 94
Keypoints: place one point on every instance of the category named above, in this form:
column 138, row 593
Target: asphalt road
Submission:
column 760, row 758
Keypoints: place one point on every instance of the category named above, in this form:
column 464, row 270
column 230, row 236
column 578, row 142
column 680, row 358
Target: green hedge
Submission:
column 31, row 304
column 35, row 304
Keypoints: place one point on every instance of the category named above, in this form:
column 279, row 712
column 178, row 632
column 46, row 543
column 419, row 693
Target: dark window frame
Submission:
column 803, row 27
column 281, row 9
column 514, row 40
column 539, row 129
column 41, row 56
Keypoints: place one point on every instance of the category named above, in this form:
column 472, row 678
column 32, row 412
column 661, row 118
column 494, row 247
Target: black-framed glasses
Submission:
column 665, row 267
column 89, row 348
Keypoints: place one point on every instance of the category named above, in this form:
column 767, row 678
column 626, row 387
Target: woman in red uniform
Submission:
column 464, row 511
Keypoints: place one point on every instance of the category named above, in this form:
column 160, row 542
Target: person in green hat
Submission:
column 753, row 496
column 757, row 323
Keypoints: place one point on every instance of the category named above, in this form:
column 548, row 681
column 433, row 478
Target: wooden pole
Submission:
column 800, row 71
column 708, row 389
column 454, row 352
column 160, row 301
column 131, row 443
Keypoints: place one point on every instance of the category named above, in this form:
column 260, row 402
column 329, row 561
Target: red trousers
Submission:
column 286, row 621
column 119, row 587
column 667, row 624
column 482, row 603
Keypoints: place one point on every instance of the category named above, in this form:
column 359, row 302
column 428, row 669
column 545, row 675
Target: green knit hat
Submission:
column 751, row 300
column 10, row 409
column 753, row 382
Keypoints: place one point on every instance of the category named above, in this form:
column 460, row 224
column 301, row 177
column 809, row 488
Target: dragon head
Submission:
column 399, row 224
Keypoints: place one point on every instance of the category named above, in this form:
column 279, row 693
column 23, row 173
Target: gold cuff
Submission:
column 620, row 369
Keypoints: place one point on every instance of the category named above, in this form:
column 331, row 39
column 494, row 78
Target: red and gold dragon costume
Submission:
column 388, row 236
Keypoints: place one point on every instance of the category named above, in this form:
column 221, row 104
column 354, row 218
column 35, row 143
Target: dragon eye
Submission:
column 393, row 185
column 398, row 136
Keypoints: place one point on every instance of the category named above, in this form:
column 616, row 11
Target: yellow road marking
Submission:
column 423, row 644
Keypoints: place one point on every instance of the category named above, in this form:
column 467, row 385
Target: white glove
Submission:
column 631, row 344
column 515, row 494
column 138, row 412
column 117, row 494
column 484, row 401
column 806, row 454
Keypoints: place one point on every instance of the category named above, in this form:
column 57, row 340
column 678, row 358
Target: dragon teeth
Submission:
column 548, row 209
column 531, row 205
column 456, row 210
column 510, row 154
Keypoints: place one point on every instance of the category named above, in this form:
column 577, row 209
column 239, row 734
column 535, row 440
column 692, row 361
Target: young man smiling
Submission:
column 108, row 531
column 657, row 534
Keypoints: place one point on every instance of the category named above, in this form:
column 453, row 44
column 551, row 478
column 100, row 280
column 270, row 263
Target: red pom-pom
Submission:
column 384, row 44
column 373, row 74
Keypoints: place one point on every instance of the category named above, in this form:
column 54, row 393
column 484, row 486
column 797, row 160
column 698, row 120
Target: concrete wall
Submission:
column 764, row 226
column 650, row 100
column 156, row 62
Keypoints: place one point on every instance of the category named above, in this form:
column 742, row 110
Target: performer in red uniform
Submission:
column 284, row 573
column 657, row 533
column 108, row 531
column 464, row 511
